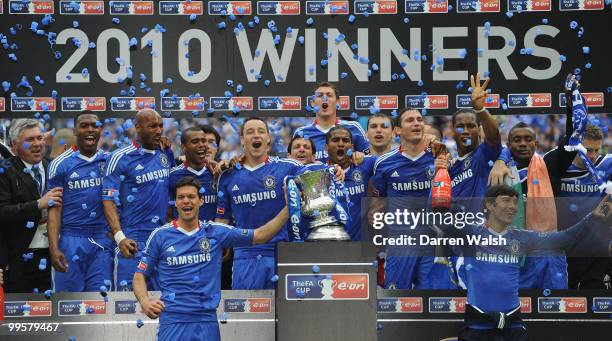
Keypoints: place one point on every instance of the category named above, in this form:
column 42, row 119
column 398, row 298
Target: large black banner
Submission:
column 180, row 56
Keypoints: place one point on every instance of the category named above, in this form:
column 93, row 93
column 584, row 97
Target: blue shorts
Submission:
column 253, row 273
column 192, row 331
column 90, row 264
column 544, row 272
column 408, row 272
column 125, row 269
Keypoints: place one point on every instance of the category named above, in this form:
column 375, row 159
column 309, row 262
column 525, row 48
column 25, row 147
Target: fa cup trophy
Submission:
column 318, row 202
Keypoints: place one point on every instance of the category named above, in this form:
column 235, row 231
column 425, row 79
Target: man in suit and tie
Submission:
column 24, row 247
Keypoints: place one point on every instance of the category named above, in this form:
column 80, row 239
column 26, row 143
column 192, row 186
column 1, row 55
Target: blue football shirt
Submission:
column 254, row 196
column 81, row 178
column 188, row 267
column 317, row 135
column 137, row 180
column 206, row 179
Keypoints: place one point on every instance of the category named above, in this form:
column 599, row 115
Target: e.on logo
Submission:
column 354, row 286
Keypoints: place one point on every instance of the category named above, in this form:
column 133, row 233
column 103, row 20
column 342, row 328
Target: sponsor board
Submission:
column 425, row 6
column 32, row 104
column 382, row 102
column 539, row 100
column 581, row 5
column 427, row 101
column 343, row 101
column 400, row 305
column 81, row 307
column 602, row 305
column 592, row 99
column 31, row 7
column 228, row 104
column 131, row 103
column 278, row 8
column 465, row 101
column 83, row 103
column 181, row 7
column 327, row 7
column 247, row 305
column 327, row 286
column 81, row 7
column 27, row 308
column 447, row 304
column 230, row 7
column 529, row 5
column 478, row 6
column 375, row 6
column 183, row 104
column 127, row 307
column 279, row 103
column 562, row 305
column 130, row 7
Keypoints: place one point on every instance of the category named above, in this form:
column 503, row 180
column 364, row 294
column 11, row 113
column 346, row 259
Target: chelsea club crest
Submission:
column 204, row 245
column 357, row 177
column 429, row 172
column 164, row 159
column 515, row 247
column 467, row 162
column 269, row 182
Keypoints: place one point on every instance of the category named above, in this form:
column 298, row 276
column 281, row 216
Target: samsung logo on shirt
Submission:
column 496, row 258
column 353, row 190
column 210, row 199
column 251, row 198
column 411, row 186
column 189, row 259
column 579, row 188
column 320, row 154
column 154, row 175
column 87, row 183
column 463, row 176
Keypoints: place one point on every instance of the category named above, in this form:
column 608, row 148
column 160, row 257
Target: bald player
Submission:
column 135, row 193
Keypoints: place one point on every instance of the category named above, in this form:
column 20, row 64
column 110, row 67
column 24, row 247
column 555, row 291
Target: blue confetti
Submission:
column 535, row 182
column 274, row 279
column 573, row 25
column 316, row 269
column 468, row 142
column 75, row 258
column 490, row 163
column 562, row 58
column 546, row 292
column 462, row 53
column 30, row 224
column 509, row 14
column 139, row 323
column 27, row 256
column 586, row 50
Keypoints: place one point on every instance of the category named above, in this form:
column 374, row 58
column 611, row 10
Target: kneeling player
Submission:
column 186, row 254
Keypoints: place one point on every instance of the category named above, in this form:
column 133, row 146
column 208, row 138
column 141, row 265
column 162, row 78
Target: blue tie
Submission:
column 37, row 178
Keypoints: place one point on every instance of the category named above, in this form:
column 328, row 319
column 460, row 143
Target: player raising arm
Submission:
column 186, row 254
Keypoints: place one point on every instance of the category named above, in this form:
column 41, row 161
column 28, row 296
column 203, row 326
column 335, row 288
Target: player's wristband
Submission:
column 119, row 236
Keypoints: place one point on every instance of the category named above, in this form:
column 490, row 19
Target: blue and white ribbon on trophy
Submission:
column 579, row 123
column 296, row 231
column 340, row 213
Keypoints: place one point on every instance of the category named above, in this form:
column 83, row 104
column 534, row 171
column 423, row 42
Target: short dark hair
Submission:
column 187, row 181
column 83, row 113
column 398, row 120
column 337, row 128
column 380, row 115
column 329, row 85
column 253, row 118
column 290, row 146
column 188, row 130
column 496, row 191
column 208, row 129
column 593, row 132
column 519, row 125
column 465, row 111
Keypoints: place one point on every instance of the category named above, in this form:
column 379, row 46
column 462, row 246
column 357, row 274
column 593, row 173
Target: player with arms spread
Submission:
column 186, row 254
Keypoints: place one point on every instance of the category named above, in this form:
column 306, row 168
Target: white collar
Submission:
column 197, row 172
column 413, row 158
column 254, row 168
column 150, row 151
column 189, row 233
column 88, row 159
column 466, row 155
column 29, row 165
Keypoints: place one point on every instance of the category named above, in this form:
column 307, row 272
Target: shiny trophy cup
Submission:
column 318, row 203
